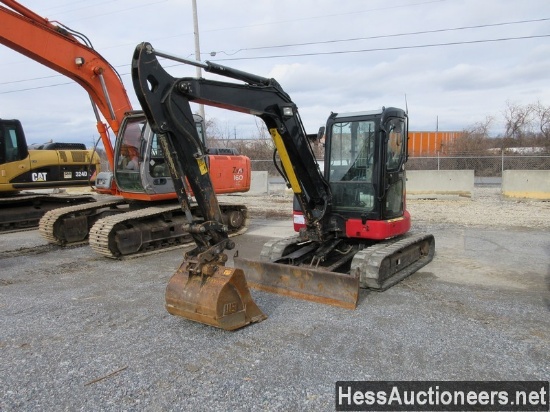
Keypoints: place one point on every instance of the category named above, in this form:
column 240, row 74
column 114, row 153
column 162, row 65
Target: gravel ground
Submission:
column 81, row 332
column 486, row 208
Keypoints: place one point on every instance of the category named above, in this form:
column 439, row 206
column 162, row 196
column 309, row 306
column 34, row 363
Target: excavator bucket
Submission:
column 221, row 299
column 316, row 285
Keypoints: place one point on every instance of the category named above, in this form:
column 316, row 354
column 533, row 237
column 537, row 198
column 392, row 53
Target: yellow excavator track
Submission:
column 23, row 212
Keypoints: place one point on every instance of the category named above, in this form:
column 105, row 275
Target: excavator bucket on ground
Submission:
column 315, row 285
column 221, row 299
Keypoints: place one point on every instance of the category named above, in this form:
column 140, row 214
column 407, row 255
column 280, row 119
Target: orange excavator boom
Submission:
column 55, row 47
column 144, row 216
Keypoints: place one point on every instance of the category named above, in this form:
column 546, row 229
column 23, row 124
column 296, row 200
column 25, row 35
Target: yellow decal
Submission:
column 202, row 166
column 285, row 159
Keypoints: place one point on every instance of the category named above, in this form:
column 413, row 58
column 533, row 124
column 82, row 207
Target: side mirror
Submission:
column 317, row 137
column 321, row 132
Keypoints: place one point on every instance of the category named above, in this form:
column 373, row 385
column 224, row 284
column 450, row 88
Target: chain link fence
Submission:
column 483, row 166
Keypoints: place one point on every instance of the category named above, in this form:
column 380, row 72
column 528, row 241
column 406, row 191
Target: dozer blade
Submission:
column 315, row 285
column 221, row 299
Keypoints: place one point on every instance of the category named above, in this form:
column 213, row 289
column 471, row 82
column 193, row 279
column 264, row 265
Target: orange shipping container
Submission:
column 431, row 143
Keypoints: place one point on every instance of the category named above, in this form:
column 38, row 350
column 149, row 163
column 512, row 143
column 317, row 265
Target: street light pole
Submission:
column 197, row 50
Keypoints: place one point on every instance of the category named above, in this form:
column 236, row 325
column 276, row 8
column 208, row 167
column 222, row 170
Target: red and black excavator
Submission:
column 142, row 214
column 353, row 226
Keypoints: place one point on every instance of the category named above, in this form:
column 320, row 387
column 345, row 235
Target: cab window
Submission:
column 395, row 149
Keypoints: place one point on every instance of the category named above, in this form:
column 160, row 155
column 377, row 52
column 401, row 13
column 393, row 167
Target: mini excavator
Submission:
column 353, row 227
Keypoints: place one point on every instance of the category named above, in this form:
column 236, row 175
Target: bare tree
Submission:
column 259, row 148
column 211, row 128
column 474, row 139
column 542, row 119
column 518, row 120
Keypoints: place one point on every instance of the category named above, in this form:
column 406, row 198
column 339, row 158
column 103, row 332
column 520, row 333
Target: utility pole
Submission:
column 197, row 50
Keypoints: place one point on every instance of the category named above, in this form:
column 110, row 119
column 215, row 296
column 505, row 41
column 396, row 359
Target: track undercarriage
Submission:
column 115, row 230
column 153, row 229
column 299, row 269
column 23, row 212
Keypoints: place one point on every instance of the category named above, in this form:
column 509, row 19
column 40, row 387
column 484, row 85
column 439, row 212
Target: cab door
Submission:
column 14, row 156
column 395, row 156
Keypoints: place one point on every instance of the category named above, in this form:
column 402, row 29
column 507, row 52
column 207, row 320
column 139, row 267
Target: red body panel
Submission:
column 372, row 229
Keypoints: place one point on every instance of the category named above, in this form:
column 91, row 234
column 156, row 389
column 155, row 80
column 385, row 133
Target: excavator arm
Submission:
column 203, row 289
column 165, row 101
column 55, row 47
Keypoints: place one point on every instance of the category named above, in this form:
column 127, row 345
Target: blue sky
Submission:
column 456, row 61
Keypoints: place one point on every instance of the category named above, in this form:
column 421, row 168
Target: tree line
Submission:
column 525, row 126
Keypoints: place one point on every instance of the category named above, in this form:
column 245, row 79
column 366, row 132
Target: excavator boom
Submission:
column 55, row 47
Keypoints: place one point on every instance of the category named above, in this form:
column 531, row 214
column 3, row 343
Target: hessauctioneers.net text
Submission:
column 442, row 396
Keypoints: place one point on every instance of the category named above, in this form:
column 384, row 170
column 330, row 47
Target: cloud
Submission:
column 458, row 84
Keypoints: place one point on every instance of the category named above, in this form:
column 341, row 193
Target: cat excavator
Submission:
column 354, row 229
column 139, row 213
column 27, row 169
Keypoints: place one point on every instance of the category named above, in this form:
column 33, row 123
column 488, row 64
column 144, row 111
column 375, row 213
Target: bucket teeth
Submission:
column 221, row 299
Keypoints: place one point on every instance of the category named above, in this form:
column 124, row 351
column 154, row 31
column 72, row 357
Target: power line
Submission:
column 385, row 36
column 37, row 87
column 332, row 53
column 326, row 15
column 30, row 80
column 349, row 40
column 419, row 46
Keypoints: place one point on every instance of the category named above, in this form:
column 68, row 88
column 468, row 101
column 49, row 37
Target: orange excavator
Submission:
column 141, row 215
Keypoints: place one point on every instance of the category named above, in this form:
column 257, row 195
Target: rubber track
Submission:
column 104, row 228
column 274, row 249
column 366, row 262
column 369, row 260
column 48, row 221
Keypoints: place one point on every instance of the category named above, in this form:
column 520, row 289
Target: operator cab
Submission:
column 140, row 166
column 365, row 154
column 364, row 157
